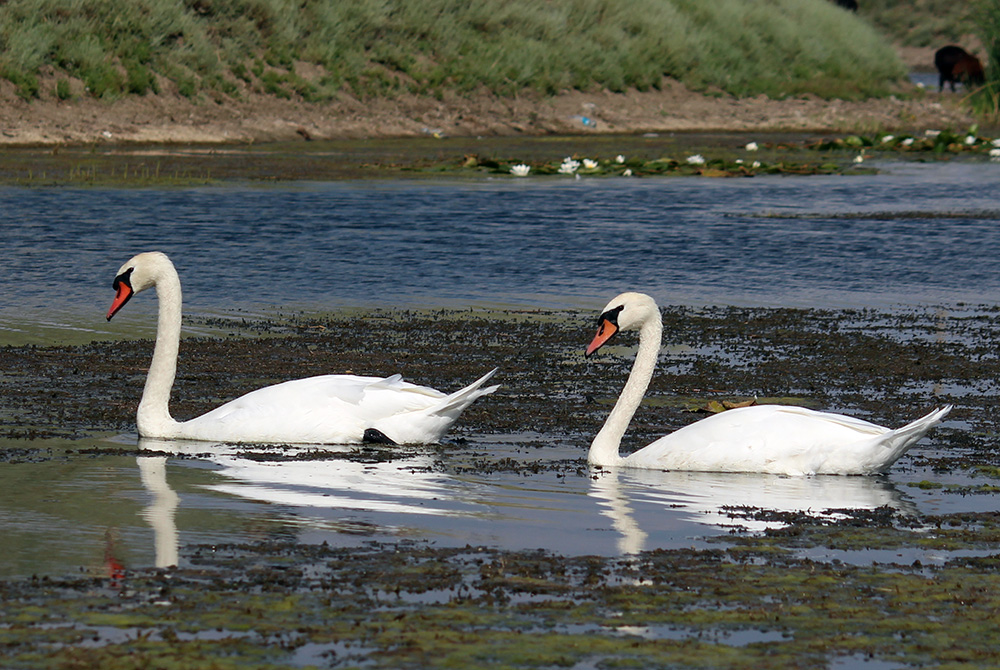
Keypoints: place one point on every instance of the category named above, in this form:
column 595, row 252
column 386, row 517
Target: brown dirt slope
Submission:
column 171, row 118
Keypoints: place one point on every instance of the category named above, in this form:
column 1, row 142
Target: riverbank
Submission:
column 256, row 118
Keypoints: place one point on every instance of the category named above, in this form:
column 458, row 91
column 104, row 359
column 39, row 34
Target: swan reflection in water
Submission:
column 647, row 508
column 716, row 498
column 402, row 486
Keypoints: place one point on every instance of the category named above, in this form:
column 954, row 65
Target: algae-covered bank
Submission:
column 909, row 585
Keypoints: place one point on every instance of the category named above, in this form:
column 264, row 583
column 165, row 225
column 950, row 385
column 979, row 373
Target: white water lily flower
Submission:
column 755, row 164
column 697, row 159
column 996, row 142
column 752, row 146
column 908, row 141
column 995, row 154
column 589, row 164
column 932, row 133
column 569, row 166
column 619, row 159
column 888, row 138
column 520, row 170
column 739, row 161
column 627, row 173
column 970, row 140
column 859, row 158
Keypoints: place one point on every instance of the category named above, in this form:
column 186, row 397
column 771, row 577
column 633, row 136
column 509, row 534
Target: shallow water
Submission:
column 917, row 234
column 71, row 513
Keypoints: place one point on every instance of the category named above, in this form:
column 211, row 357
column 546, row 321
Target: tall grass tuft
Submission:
column 383, row 47
column 986, row 99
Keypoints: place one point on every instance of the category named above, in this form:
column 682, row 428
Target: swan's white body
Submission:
column 777, row 439
column 329, row 409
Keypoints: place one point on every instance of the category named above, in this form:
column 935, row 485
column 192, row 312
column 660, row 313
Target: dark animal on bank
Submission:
column 956, row 65
column 850, row 5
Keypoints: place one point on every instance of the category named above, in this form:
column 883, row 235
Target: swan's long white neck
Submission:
column 153, row 417
column 604, row 448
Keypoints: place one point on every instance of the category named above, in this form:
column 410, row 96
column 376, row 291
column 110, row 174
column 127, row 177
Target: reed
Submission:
column 382, row 47
column 986, row 99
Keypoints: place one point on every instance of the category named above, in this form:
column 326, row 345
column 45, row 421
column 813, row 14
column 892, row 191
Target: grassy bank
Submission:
column 922, row 23
column 318, row 48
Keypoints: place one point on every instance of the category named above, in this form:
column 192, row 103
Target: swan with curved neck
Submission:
column 778, row 439
column 328, row 409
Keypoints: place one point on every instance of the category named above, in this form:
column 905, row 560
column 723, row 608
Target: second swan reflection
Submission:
column 640, row 502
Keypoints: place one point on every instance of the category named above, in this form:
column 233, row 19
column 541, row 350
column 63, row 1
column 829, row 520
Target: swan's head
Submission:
column 629, row 311
column 138, row 274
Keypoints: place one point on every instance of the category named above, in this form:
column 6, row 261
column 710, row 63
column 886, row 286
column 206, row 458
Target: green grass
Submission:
column 384, row 47
column 922, row 23
column 986, row 99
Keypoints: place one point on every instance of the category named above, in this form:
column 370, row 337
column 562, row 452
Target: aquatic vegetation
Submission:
column 745, row 603
column 932, row 141
column 91, row 174
column 694, row 165
column 805, row 595
column 569, row 166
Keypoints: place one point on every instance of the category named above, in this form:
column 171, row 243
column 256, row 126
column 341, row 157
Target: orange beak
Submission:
column 124, row 292
column 604, row 333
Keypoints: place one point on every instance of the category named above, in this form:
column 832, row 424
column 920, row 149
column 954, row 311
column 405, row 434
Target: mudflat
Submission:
column 753, row 597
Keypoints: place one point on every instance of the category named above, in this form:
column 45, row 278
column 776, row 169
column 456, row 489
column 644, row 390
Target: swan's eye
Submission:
column 610, row 316
column 123, row 278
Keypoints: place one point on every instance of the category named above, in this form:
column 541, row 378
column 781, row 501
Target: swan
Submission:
column 776, row 439
column 328, row 409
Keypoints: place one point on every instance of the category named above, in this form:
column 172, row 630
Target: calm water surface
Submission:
column 68, row 514
column 917, row 234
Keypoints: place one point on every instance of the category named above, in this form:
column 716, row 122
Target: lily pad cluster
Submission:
column 934, row 141
column 620, row 166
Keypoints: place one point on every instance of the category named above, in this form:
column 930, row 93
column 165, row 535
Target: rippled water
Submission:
column 916, row 234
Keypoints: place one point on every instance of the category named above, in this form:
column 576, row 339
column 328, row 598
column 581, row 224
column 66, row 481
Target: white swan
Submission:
column 777, row 439
column 329, row 409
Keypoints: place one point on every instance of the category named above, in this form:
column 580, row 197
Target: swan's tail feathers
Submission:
column 897, row 442
column 452, row 405
column 442, row 415
column 459, row 400
column 429, row 424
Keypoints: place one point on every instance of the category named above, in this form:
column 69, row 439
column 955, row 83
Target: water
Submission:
column 917, row 234
column 67, row 514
